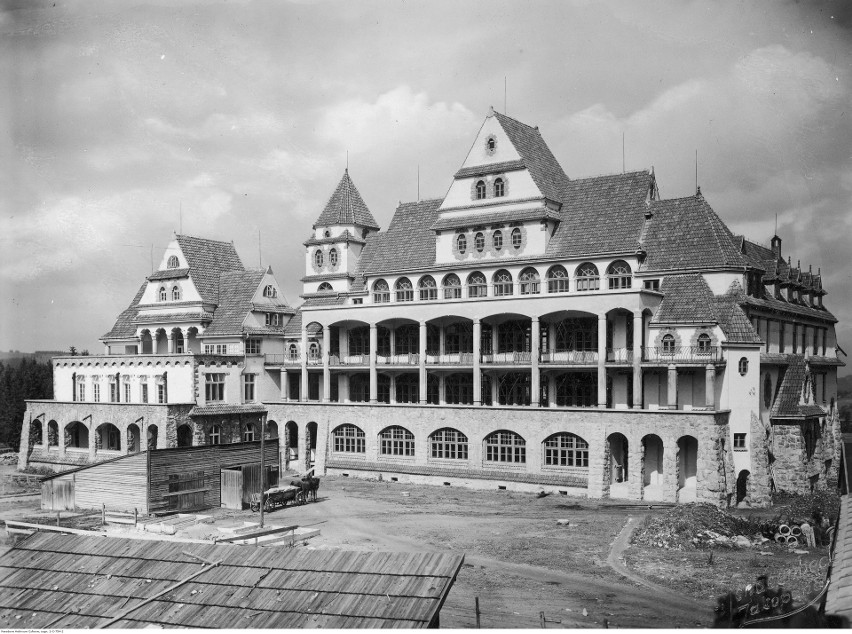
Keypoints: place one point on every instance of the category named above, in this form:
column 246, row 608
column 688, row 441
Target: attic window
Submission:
column 743, row 366
column 270, row 291
column 479, row 242
column 497, row 239
column 176, row 294
column 491, row 145
column 499, row 188
column 326, row 233
column 480, row 190
column 163, row 295
column 652, row 285
column 461, row 243
column 325, row 287
column 517, row 238
column 173, row 262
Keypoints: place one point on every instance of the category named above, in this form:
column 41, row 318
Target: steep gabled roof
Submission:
column 602, row 214
column 788, row 401
column 236, row 290
column 685, row 233
column 408, row 243
column 124, row 326
column 545, row 170
column 207, row 259
column 732, row 318
column 346, row 207
column 686, row 299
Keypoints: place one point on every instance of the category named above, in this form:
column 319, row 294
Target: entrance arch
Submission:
column 291, row 442
column 687, row 468
column 653, row 477
column 152, row 436
column 619, row 466
column 132, row 438
column 311, row 444
column 77, row 435
column 184, row 436
column 742, row 485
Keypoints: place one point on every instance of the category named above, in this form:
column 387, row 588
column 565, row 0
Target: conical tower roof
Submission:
column 346, row 207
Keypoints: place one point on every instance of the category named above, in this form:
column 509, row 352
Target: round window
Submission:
column 479, row 242
column 516, row 238
column 498, row 239
column 461, row 243
column 318, row 258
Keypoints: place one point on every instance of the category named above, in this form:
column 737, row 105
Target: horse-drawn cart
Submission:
column 275, row 497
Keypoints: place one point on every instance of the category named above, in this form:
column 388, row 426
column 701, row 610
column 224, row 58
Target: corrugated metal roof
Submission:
column 73, row 582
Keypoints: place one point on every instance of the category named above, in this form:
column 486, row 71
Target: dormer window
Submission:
column 273, row 319
column 163, row 295
column 332, row 257
column 480, row 190
column 326, row 233
column 173, row 262
column 381, row 292
column 318, row 258
column 619, row 275
column 270, row 291
column 499, row 188
column 491, row 145
column 175, row 293
column 325, row 287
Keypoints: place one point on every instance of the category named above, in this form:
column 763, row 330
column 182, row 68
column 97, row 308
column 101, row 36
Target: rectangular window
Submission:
column 214, row 387
column 81, row 390
column 358, row 300
column 161, row 392
column 96, row 391
column 740, row 441
column 127, row 392
column 253, row 346
column 272, row 319
column 795, row 338
column 781, row 334
column 824, row 337
column 816, row 341
column 652, row 285
column 113, row 391
column 248, row 388
column 143, row 395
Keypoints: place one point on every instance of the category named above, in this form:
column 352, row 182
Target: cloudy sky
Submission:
column 115, row 116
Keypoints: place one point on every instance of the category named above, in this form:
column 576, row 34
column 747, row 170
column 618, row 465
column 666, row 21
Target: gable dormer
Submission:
column 171, row 282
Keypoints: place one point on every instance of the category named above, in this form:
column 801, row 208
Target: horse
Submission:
column 304, row 490
column 313, row 486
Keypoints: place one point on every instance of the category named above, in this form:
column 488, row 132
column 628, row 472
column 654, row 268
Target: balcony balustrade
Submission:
column 508, row 358
column 357, row 360
column 281, row 359
column 682, row 354
column 570, row 357
column 619, row 355
column 453, row 358
column 409, row 358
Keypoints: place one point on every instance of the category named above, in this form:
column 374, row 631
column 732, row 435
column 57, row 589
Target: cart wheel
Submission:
column 268, row 505
column 254, row 507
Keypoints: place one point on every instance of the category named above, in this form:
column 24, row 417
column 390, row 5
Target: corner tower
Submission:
column 332, row 253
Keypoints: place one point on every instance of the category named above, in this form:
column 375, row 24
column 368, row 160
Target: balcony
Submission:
column 619, row 355
column 281, row 359
column 354, row 360
column 570, row 357
column 682, row 354
column 410, row 358
column 453, row 358
column 508, row 358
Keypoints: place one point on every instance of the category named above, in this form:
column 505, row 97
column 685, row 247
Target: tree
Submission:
column 73, row 351
column 29, row 380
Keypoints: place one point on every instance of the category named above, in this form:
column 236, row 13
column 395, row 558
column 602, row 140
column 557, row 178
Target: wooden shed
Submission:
column 165, row 480
column 51, row 581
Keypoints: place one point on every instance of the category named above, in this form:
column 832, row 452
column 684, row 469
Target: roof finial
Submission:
column 347, row 162
column 490, row 111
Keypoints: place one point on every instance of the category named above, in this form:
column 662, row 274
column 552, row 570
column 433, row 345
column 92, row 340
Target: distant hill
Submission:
column 844, row 386
column 13, row 358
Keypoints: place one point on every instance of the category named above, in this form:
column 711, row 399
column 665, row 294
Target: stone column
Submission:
column 171, row 342
column 535, row 383
column 601, row 361
column 638, row 337
column 139, row 344
column 495, row 340
column 710, row 386
column 495, row 389
column 392, row 399
column 326, row 369
column 442, row 341
column 477, row 361
column 442, row 389
column 285, row 385
column 392, row 337
column 303, row 391
column 421, row 362
column 672, row 387
column 374, row 377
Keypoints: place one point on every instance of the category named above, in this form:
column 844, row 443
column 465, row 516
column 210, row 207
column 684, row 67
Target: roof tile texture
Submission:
column 346, row 207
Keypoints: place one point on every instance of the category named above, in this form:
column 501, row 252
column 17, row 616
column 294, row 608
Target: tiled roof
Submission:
column 323, row 299
column 236, row 290
column 164, row 317
column 281, row 309
column 838, row 600
column 545, row 170
column 328, row 276
column 512, row 215
column 408, row 243
column 294, row 326
column 169, row 274
column 225, row 408
column 491, row 168
column 685, row 233
column 687, row 299
column 346, row 207
column 779, row 305
column 603, row 214
column 207, row 259
column 123, row 326
column 788, row 400
column 732, row 318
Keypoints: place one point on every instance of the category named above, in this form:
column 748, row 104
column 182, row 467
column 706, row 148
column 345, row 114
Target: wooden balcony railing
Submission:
column 568, row 357
column 452, row 358
column 410, row 358
column 682, row 354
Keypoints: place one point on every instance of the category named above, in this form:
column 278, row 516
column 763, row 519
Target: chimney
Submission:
column 776, row 246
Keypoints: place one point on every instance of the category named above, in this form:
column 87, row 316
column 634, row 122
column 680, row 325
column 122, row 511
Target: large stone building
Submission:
column 527, row 331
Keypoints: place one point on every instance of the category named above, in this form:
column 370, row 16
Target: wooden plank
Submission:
column 52, row 529
column 261, row 533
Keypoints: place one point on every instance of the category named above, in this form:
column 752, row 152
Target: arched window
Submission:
column 668, row 346
column 452, row 286
column 381, row 292
column 293, row 352
column 497, row 240
column 505, row 446
column 566, row 450
column 163, row 295
column 428, row 288
column 743, row 366
column 499, row 187
column 248, row 433
column 461, row 243
column 619, row 274
column 529, row 282
column 587, row 277
column 448, row 444
column 479, row 242
column 704, row 343
column 313, row 351
column 480, row 190
column 348, row 439
column 404, row 290
column 173, row 262
column 491, row 145
column 175, row 293
column 332, row 256
column 767, row 391
column 325, row 287
column 477, row 286
column 396, row 441
column 215, row 435
column 517, row 238
column 502, row 283
column 35, row 433
column 557, row 279
column 269, row 291
column 318, row 258
column 52, row 434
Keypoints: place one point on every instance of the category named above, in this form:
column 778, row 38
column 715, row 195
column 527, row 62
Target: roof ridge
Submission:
column 505, row 116
column 604, row 175
column 186, row 235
